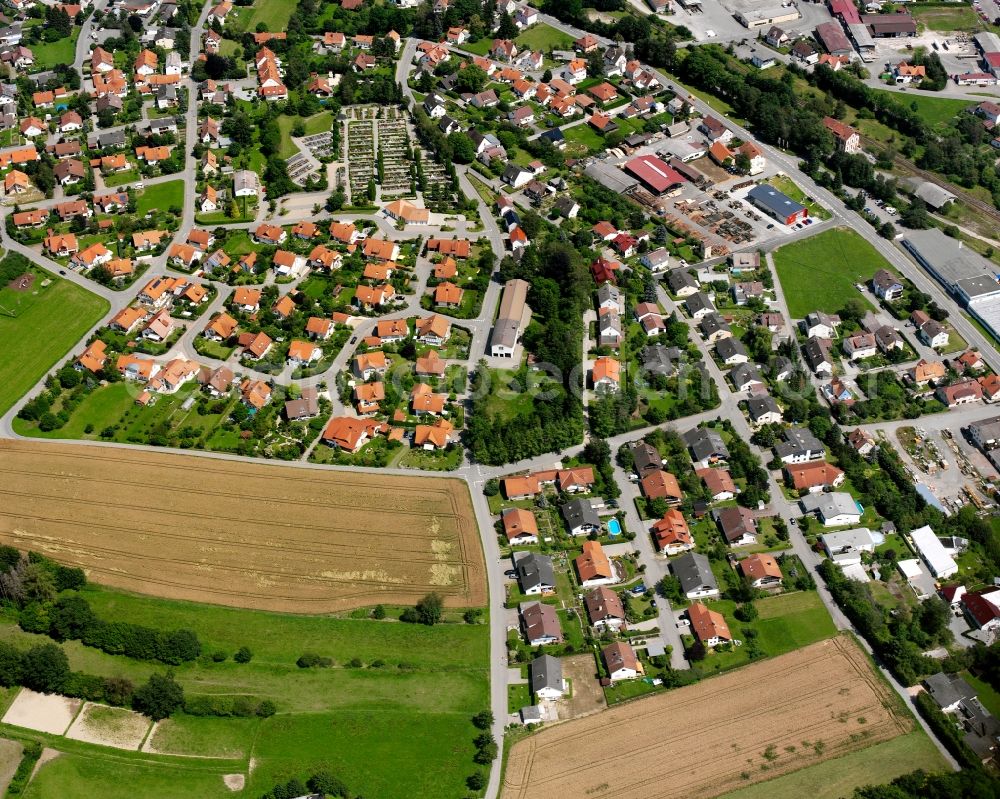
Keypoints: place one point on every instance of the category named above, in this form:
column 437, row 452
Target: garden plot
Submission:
column 49, row 713
column 109, row 726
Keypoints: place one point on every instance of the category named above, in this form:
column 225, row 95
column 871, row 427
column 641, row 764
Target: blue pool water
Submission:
column 614, row 527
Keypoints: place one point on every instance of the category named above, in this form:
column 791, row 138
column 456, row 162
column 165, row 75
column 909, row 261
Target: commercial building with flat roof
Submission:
column 512, row 319
column 776, row 205
column 771, row 15
column 961, row 271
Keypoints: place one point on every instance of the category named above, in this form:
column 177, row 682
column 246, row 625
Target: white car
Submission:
column 709, row 34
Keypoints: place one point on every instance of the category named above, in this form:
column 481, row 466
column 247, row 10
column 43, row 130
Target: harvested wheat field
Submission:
column 726, row 732
column 243, row 534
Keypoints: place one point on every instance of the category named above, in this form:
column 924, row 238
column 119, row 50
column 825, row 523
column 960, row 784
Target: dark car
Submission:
column 511, row 573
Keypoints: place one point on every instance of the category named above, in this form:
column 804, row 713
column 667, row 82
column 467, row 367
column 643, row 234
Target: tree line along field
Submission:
column 399, row 693
column 819, row 273
column 772, row 718
column 38, row 327
column 242, row 534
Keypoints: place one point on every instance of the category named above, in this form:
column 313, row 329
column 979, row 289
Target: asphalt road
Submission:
column 475, row 475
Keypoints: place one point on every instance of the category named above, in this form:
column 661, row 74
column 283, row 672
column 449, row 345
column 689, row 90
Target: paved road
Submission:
column 476, row 474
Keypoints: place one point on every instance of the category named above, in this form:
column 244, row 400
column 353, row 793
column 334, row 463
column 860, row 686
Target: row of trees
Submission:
column 45, row 668
column 70, row 617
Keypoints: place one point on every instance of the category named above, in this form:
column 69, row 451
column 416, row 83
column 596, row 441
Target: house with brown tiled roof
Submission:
column 621, row 662
column 708, row 626
column 661, row 485
column 594, row 567
column 814, row 476
column 520, row 526
column 672, row 534
column 761, row 570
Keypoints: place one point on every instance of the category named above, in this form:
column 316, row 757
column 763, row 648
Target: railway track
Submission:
column 905, row 165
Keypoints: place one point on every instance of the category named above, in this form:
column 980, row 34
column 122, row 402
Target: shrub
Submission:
column 45, row 668
column 310, row 660
column 378, row 612
column 483, row 720
column 159, row 697
column 243, row 655
column 219, row 656
column 32, row 751
column 266, row 709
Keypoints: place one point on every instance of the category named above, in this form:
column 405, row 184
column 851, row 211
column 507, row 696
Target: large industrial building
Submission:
column 655, row 174
column 966, row 275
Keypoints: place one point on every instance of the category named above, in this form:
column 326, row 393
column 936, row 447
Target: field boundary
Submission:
column 291, row 541
column 773, row 717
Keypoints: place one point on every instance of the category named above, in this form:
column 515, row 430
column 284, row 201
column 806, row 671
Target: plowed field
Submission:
column 752, row 724
column 242, row 534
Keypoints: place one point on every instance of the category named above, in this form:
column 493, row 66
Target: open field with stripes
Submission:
column 242, row 534
column 771, row 718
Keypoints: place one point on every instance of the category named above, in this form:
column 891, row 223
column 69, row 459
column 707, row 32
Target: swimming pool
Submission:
column 614, row 527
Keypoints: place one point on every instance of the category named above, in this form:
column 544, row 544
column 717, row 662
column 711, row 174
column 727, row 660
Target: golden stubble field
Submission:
column 723, row 733
column 248, row 535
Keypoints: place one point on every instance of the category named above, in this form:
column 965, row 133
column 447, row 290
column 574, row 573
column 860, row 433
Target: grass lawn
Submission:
column 408, row 704
column 791, row 621
column 285, row 125
column 518, row 696
column 48, row 54
column 380, row 752
column 838, row 777
column 273, row 13
column 791, row 189
column 585, row 135
column 165, row 195
column 112, row 776
column 318, row 123
column 819, row 273
column 121, row 178
column 48, row 322
column 205, row 736
column 482, row 47
column 934, row 110
column 960, row 18
column 545, row 38
column 507, row 399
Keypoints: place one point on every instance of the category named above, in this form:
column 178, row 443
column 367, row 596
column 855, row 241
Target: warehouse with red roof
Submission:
column 655, row 174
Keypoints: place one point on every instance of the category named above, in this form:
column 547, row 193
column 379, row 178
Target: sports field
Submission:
column 38, row 327
column 242, row 534
column 771, row 718
column 819, row 273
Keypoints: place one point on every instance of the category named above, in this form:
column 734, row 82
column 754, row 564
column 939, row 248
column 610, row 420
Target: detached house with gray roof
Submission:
column 547, row 677
column 535, row 573
column 694, row 573
column 581, row 518
column 707, row 446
